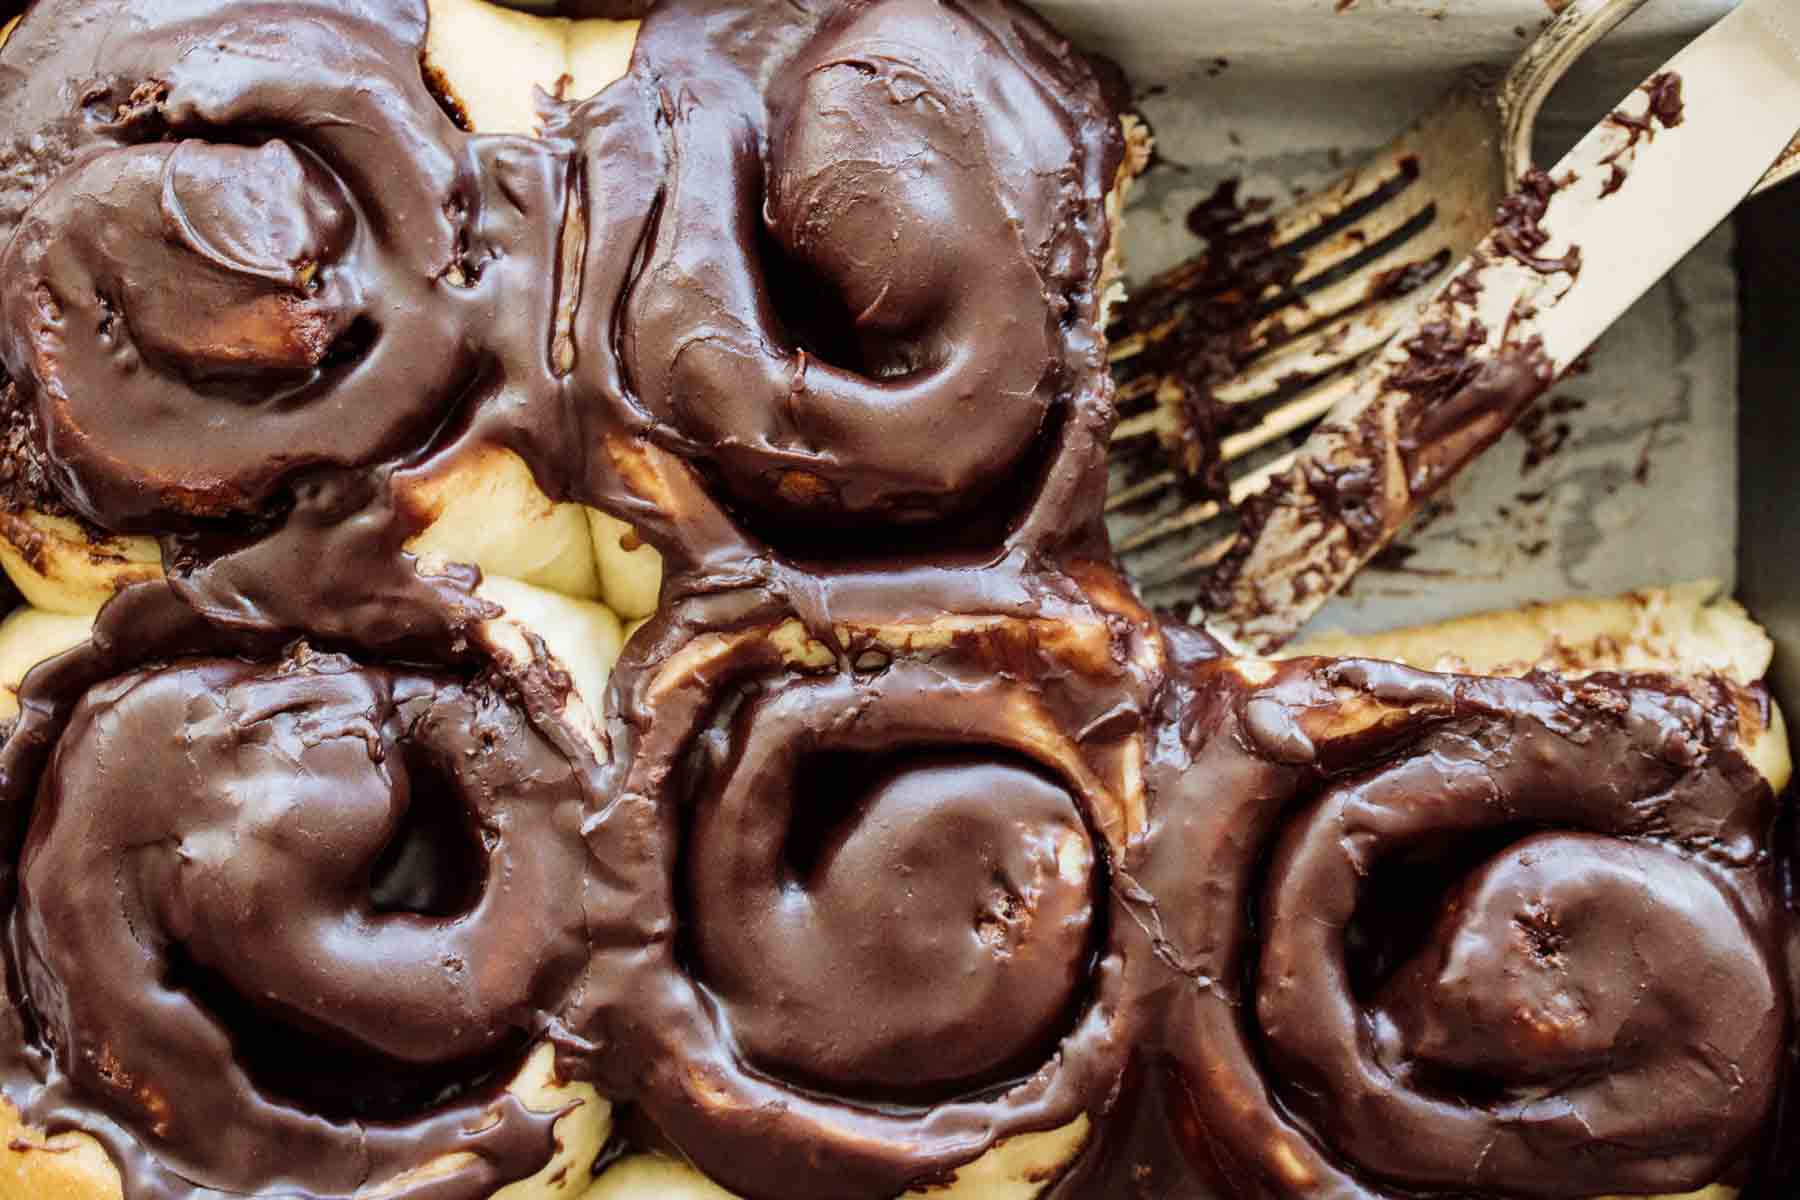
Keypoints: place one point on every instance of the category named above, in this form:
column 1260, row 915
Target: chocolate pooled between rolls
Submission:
column 909, row 855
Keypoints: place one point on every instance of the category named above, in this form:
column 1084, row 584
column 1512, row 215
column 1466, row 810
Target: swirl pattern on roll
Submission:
column 290, row 926
column 857, row 254
column 197, row 319
column 258, row 285
column 807, row 273
column 887, row 857
column 1594, row 999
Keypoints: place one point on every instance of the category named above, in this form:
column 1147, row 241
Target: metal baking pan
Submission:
column 1685, row 420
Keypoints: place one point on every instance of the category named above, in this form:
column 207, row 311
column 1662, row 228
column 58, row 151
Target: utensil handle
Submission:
column 1635, row 201
column 1619, row 211
column 1528, row 85
column 1548, row 58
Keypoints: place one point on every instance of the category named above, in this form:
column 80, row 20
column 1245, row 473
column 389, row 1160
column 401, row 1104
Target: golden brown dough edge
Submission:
column 1690, row 629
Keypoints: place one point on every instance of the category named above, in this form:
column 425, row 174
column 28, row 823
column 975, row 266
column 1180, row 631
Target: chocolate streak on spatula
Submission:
column 1571, row 252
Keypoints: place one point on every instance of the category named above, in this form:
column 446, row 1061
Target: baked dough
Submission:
column 1687, row 628
column 60, row 565
column 571, row 584
column 1690, row 629
column 1015, row 1170
column 485, row 508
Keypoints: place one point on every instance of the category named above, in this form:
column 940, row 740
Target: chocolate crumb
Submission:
column 1666, row 109
column 1518, row 231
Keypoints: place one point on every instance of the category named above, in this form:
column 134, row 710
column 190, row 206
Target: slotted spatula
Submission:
column 1581, row 245
column 1226, row 361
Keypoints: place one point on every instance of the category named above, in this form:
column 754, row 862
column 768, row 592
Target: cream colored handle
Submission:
column 1575, row 31
column 1528, row 85
column 1741, row 88
column 1786, row 169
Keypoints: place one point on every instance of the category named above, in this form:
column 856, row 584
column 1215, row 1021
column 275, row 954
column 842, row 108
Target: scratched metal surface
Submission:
column 1630, row 477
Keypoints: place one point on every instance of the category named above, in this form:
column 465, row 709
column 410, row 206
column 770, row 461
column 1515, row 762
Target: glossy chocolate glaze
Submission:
column 1594, row 999
column 810, row 298
column 850, row 260
column 200, row 320
column 895, row 942
column 282, row 923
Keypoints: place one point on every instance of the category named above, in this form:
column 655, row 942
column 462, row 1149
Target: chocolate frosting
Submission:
column 296, row 871
column 199, row 320
column 895, row 939
column 966, row 834
column 283, row 923
column 859, row 250
column 1594, row 1000
column 809, row 272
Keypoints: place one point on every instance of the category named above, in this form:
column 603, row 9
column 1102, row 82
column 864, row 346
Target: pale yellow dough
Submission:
column 493, row 61
column 630, row 570
column 59, row 567
column 485, row 509
column 1019, row 1169
column 28, row 637
column 583, row 639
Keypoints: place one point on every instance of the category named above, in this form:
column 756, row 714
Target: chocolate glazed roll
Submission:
column 850, row 257
column 288, row 925
column 254, row 277
column 855, row 925
column 1476, row 936
column 236, row 270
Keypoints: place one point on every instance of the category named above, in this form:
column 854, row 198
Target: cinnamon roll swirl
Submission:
column 852, row 260
column 319, row 318
column 1596, row 998
column 858, row 925
column 293, row 924
column 906, row 855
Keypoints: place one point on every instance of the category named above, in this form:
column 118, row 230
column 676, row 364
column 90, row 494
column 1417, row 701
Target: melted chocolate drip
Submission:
column 1519, row 234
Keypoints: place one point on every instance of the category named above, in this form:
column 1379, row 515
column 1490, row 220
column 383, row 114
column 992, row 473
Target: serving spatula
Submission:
column 1583, row 243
